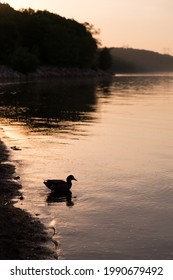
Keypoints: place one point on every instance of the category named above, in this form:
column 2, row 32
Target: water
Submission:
column 116, row 138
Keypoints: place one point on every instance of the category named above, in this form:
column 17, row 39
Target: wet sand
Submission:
column 22, row 237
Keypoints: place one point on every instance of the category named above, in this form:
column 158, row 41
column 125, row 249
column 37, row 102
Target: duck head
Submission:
column 70, row 178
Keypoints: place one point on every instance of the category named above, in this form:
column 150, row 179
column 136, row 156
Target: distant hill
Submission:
column 135, row 60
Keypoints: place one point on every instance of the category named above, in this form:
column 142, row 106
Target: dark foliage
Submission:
column 41, row 36
column 104, row 59
column 24, row 61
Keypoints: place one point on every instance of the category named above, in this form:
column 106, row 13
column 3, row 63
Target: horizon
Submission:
column 124, row 24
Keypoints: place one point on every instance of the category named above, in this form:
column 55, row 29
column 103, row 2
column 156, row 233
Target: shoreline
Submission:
column 22, row 237
column 45, row 72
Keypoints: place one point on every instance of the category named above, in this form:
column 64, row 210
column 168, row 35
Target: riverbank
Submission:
column 51, row 72
column 22, row 237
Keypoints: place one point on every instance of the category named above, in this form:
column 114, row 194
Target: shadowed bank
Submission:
column 21, row 236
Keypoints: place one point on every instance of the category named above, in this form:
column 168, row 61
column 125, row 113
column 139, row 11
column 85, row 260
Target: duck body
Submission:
column 60, row 185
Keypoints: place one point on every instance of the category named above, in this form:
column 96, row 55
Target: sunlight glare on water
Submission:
column 116, row 138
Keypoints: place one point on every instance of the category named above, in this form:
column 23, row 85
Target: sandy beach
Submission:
column 22, row 237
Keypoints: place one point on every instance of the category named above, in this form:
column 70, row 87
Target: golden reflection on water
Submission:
column 118, row 142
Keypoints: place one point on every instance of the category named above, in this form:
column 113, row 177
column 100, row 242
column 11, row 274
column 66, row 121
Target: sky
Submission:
column 141, row 24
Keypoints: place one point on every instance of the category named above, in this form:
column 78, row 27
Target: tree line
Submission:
column 33, row 38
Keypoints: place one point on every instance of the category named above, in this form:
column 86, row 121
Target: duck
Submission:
column 60, row 185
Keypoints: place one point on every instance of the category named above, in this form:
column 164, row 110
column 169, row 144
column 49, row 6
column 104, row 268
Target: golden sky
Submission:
column 143, row 24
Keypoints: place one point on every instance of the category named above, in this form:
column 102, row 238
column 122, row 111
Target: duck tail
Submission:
column 45, row 182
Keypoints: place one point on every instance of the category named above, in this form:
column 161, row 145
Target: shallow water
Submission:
column 116, row 138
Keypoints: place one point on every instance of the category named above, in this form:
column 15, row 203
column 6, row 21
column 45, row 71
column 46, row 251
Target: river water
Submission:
column 116, row 138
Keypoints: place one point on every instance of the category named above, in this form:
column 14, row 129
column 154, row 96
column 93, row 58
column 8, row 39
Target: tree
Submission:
column 104, row 59
column 95, row 32
column 23, row 61
column 29, row 35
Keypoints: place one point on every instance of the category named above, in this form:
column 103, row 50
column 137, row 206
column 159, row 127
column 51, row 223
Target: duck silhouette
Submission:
column 60, row 185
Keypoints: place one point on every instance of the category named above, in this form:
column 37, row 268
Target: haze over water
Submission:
column 116, row 138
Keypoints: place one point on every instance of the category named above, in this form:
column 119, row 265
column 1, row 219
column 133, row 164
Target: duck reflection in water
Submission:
column 57, row 197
